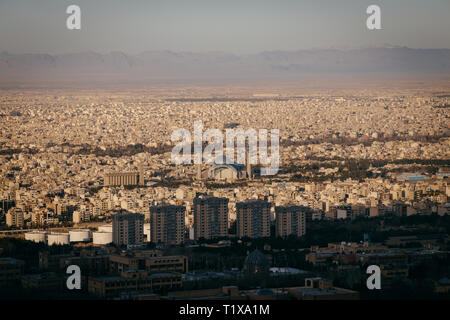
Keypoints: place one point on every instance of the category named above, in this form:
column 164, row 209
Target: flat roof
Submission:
column 10, row 260
column 320, row 292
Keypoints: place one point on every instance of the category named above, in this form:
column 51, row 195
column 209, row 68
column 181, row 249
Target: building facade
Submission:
column 128, row 228
column 210, row 217
column 124, row 179
column 15, row 218
column 11, row 271
column 290, row 220
column 253, row 219
column 133, row 281
column 149, row 262
column 167, row 224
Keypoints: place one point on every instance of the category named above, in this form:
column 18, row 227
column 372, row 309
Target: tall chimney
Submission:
column 249, row 167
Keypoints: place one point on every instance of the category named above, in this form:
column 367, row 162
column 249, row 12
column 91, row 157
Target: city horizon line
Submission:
column 342, row 48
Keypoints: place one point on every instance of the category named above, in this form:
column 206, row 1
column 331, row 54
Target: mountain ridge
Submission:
column 119, row 66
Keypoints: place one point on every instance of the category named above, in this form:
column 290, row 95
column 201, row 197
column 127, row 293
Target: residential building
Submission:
column 167, row 224
column 210, row 217
column 253, row 219
column 128, row 228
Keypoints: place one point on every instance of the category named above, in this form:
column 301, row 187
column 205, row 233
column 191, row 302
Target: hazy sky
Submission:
column 237, row 26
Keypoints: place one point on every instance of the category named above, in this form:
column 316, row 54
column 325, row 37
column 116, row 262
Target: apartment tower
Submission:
column 167, row 224
column 253, row 219
column 128, row 228
column 210, row 217
column 290, row 220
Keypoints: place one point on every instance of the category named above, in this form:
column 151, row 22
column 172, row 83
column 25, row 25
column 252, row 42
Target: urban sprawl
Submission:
column 86, row 179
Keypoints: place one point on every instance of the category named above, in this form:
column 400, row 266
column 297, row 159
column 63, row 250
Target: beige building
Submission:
column 290, row 220
column 128, row 228
column 210, row 217
column 167, row 224
column 253, row 219
column 124, row 179
column 15, row 218
column 167, row 263
column 230, row 172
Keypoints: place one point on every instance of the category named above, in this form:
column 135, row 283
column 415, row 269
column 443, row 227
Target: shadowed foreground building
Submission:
column 167, row 224
column 256, row 263
column 210, row 217
column 321, row 289
column 134, row 281
column 137, row 272
column 151, row 261
column 11, row 271
column 47, row 281
column 253, row 219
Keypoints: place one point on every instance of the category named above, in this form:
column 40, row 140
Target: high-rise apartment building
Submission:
column 128, row 228
column 210, row 217
column 290, row 220
column 167, row 224
column 253, row 219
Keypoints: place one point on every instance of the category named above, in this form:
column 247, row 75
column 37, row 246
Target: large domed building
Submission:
column 228, row 172
column 256, row 263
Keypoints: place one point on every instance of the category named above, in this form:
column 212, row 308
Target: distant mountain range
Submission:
column 117, row 67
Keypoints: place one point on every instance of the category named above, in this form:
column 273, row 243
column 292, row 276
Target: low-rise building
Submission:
column 139, row 281
column 11, row 271
column 43, row 281
column 321, row 289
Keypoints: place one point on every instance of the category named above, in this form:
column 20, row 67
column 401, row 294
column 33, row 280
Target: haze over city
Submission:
column 239, row 27
column 93, row 206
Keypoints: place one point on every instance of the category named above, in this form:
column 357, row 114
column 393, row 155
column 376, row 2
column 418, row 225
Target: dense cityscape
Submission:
column 87, row 179
column 214, row 159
